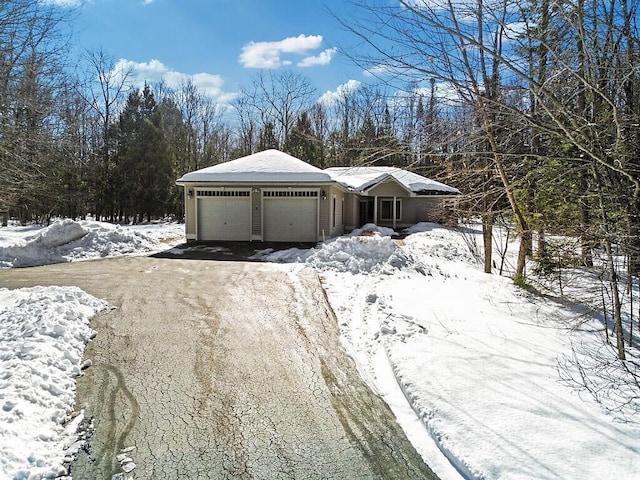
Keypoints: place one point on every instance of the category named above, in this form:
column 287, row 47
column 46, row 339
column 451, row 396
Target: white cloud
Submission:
column 62, row 3
column 75, row 3
column 330, row 97
column 433, row 4
column 465, row 11
column 436, row 5
column 445, row 92
column 323, row 59
column 155, row 71
column 515, row 29
column 378, row 70
column 269, row 54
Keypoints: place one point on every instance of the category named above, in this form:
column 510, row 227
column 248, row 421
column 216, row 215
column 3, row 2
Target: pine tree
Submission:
column 268, row 138
column 301, row 142
column 144, row 163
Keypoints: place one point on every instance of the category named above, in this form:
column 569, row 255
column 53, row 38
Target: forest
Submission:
column 530, row 108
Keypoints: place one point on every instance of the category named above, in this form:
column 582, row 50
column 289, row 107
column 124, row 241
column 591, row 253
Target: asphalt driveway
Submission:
column 227, row 251
column 223, row 370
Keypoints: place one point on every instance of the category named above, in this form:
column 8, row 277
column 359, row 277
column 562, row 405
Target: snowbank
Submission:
column 44, row 332
column 432, row 242
column 375, row 253
column 373, row 228
column 477, row 359
column 68, row 240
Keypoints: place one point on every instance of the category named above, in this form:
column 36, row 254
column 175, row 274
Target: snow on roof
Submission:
column 361, row 179
column 268, row 166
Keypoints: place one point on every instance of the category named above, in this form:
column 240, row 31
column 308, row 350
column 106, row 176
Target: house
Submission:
column 391, row 196
column 273, row 197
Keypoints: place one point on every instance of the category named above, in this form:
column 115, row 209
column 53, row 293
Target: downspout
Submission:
column 375, row 209
column 394, row 213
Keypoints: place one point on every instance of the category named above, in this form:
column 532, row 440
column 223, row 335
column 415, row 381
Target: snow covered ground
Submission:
column 471, row 365
column 477, row 358
column 68, row 240
column 44, row 332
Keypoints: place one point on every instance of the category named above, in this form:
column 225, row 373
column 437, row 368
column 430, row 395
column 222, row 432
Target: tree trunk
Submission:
column 523, row 226
column 630, row 291
column 519, row 276
column 611, row 266
column 585, row 227
column 615, row 295
column 542, row 242
column 633, row 242
column 487, row 237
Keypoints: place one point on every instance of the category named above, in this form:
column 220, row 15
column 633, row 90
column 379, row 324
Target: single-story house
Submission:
column 273, row 197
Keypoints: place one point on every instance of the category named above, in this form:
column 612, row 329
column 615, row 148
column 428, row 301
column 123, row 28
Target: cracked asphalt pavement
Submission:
column 223, row 370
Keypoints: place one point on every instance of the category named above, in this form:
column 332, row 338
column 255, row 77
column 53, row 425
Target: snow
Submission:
column 274, row 166
column 68, row 240
column 372, row 255
column 266, row 166
column 44, row 332
column 366, row 250
column 474, row 368
column 475, row 359
column 361, row 179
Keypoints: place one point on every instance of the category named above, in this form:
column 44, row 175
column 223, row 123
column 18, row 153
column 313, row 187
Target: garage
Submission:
column 268, row 196
column 224, row 215
column 290, row 215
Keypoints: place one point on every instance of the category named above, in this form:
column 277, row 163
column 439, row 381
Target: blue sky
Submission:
column 219, row 44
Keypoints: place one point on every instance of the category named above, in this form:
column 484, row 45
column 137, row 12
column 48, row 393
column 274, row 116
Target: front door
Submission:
column 366, row 211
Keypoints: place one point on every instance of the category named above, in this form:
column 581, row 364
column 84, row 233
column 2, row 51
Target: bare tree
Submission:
column 104, row 92
column 32, row 41
column 276, row 98
column 320, row 125
column 478, row 47
column 247, row 127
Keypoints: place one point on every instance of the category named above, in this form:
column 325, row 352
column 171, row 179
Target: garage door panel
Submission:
column 224, row 218
column 205, row 220
column 290, row 219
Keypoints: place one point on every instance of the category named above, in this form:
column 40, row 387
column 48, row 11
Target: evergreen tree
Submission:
column 268, row 138
column 175, row 131
column 144, row 163
column 302, row 143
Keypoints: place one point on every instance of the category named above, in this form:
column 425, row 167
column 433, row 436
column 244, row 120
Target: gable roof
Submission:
column 269, row 166
column 274, row 166
column 361, row 179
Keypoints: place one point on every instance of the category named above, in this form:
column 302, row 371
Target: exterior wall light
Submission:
column 190, row 193
column 324, row 194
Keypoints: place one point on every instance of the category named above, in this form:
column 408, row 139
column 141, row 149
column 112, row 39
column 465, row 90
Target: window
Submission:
column 223, row 193
column 386, row 209
column 289, row 193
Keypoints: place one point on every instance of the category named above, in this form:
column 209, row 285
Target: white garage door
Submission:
column 224, row 215
column 290, row 216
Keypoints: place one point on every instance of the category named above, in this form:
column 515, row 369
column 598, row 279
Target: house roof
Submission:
column 361, row 179
column 274, row 166
column 269, row 166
